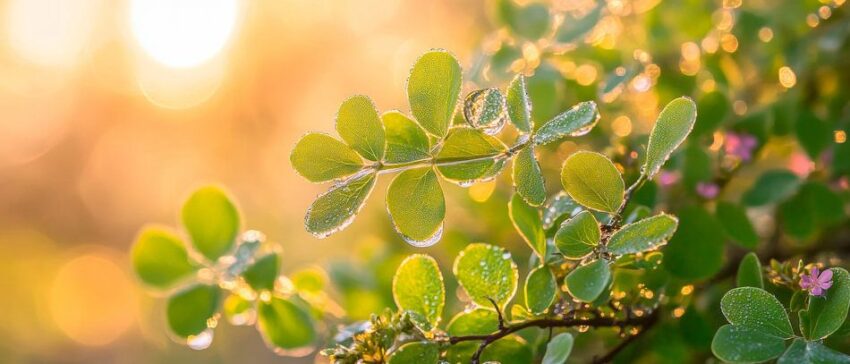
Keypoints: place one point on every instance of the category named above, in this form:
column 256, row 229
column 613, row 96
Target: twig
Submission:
column 607, row 358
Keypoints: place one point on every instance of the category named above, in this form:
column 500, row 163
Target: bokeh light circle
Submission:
column 183, row 33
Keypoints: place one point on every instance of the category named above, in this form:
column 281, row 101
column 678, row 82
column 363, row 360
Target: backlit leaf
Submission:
column 358, row 124
column 749, row 272
column 418, row 287
column 321, row 157
column 526, row 220
column 188, row 310
column 577, row 121
column 262, row 274
column 825, row 315
column 519, row 105
column 486, row 272
column 212, row 221
column 406, row 141
column 416, row 352
column 335, row 209
column 540, row 289
column 558, row 349
column 285, row 325
column 577, row 236
column 646, row 234
column 159, row 258
column 417, row 207
column 587, row 282
column 433, row 89
column 671, row 128
column 468, row 155
column 592, row 180
column 527, row 177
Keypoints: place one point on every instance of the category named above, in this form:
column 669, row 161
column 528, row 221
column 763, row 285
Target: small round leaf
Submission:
column 188, row 310
column 587, row 282
column 540, row 289
column 644, row 235
column 592, row 180
column 486, row 272
column 577, row 236
column 212, row 221
column 160, row 258
column 321, row 157
column 285, row 325
column 432, row 90
column 358, row 124
column 417, row 207
column 672, row 127
column 418, row 287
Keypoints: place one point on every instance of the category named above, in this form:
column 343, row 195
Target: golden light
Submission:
column 51, row 32
column 585, row 74
column 787, row 77
column 481, row 192
column 622, row 126
column 183, row 33
column 91, row 300
column 840, row 136
column 765, row 34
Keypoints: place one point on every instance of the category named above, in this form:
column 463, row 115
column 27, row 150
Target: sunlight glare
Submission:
column 183, row 33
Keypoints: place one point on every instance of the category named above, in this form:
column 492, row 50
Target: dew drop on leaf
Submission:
column 485, row 109
column 431, row 240
column 200, row 341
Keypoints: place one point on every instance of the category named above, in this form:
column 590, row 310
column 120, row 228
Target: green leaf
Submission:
column 486, row 272
column 577, row 236
column 577, row 121
column 587, row 282
column 540, row 289
column 572, row 28
column 509, row 349
column 406, row 141
column 814, row 134
column 469, row 155
column 416, row 352
column 528, row 179
column 526, row 220
column 418, row 287
column 696, row 249
column 558, row 349
column 592, row 180
column 262, row 274
column 736, row 224
column 743, row 344
column 530, row 21
column 419, row 223
column 485, row 110
column 433, row 89
column 814, row 207
column 188, row 310
column 311, row 279
column 561, row 205
column 749, row 272
column 757, row 309
column 359, row 125
column 672, row 127
column 772, row 186
column 644, row 235
column 285, row 325
column 802, row 352
column 827, row 314
column 519, row 105
column 335, row 209
column 160, row 258
column 321, row 158
column 212, row 221
column 479, row 321
column 238, row 310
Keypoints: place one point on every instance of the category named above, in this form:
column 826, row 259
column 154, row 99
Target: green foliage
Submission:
column 736, row 224
column 528, row 223
column 587, row 282
column 672, row 127
column 420, row 223
column 263, row 272
column 416, row 352
column 772, row 187
column 558, row 349
column 285, row 324
column 825, row 315
column 811, row 352
column 696, row 250
column 519, row 105
column 644, row 235
column 321, row 158
column 159, row 258
column 592, row 180
column 486, row 272
column 418, row 287
column 468, row 155
column 578, row 236
column 189, row 310
column 359, row 125
column 749, row 272
column 528, row 178
column 335, row 209
column 433, row 89
column 406, row 140
column 540, row 289
column 212, row 221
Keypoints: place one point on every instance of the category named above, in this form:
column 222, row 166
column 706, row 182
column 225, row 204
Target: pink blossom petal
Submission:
column 825, row 285
column 815, row 272
column 826, row 276
column 817, row 291
column 806, row 282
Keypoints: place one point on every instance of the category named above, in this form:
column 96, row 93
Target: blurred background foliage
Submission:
column 111, row 114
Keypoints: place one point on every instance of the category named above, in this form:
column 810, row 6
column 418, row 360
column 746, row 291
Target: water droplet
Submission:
column 200, row 341
column 485, row 109
column 431, row 240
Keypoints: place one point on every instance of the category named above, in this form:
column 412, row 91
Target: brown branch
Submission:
column 609, row 357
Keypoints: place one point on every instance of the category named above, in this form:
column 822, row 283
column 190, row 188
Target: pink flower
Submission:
column 667, row 178
column 707, row 190
column 740, row 145
column 816, row 282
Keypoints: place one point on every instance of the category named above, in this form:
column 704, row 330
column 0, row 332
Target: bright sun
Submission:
column 183, row 33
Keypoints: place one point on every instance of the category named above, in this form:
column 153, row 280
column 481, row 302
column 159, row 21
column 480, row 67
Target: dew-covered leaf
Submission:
column 736, row 224
column 321, row 157
column 528, row 179
column 527, row 221
column 335, row 209
column 416, row 352
column 749, row 272
column 744, row 344
column 417, row 207
column 159, row 258
column 811, row 352
column 238, row 310
column 432, row 90
column 479, row 321
column 262, row 274
column 646, row 234
column 559, row 206
column 540, row 289
column 519, row 105
column 509, row 349
column 577, row 236
column 486, row 272
column 188, row 310
column 418, row 287
column 588, row 281
column 671, row 128
column 574, row 27
column 359, row 125
column 406, row 141
column 558, row 349
column 771, row 187
column 826, row 314
column 576, row 121
column 696, row 249
column 469, row 155
column 756, row 308
column 485, row 110
column 212, row 221
column 592, row 180
column 312, row 279
column 286, row 325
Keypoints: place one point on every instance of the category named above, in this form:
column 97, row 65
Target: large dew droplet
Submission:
column 485, row 109
column 431, row 240
column 200, row 341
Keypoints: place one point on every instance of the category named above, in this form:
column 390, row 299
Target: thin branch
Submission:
column 618, row 215
column 609, row 357
column 498, row 312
